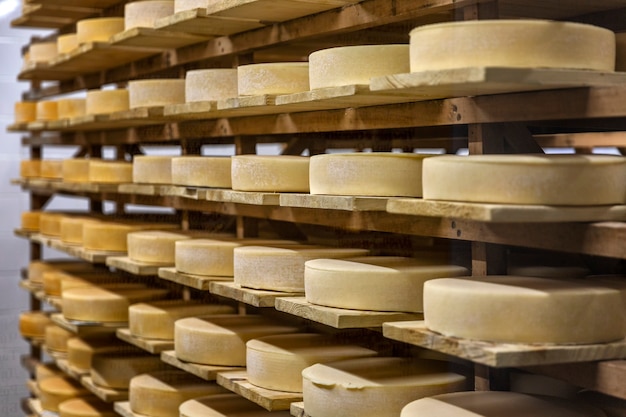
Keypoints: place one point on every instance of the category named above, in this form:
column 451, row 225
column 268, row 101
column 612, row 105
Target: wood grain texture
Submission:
column 256, row 298
column 349, row 203
column 199, row 282
column 206, row 372
column 105, row 394
column 159, row 40
column 198, row 22
column 271, row 400
column 151, row 346
column 82, row 328
column 136, row 268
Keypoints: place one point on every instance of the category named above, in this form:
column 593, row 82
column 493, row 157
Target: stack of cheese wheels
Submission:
column 226, row 405
column 374, row 387
column 70, row 108
column 67, row 43
column 146, row 13
column 158, row 92
column 54, row 390
column 42, row 52
column 111, row 236
column 52, row 169
column 110, row 172
column 99, row 29
column 30, row 168
column 154, row 246
column 202, row 171
column 29, row 220
column 543, row 310
column 72, row 229
column 367, row 174
column 210, row 84
column 75, row 170
column 155, row 320
column 347, row 65
column 45, row 370
column 380, row 283
column 281, row 268
column 56, row 338
column 483, row 403
column 47, row 111
column 106, row 101
column 152, row 169
column 159, row 394
column 512, row 43
column 276, row 362
column 221, row 340
column 80, row 350
column 270, row 173
column 116, row 369
column 571, row 180
column 96, row 304
column 32, row 324
column 25, row 111
column 50, row 223
column 86, row 407
column 36, row 269
column 272, row 78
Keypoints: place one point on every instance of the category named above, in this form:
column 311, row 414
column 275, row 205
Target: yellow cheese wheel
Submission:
column 30, row 168
column 512, row 43
column 116, row 369
column 152, row 169
column 42, row 52
column 272, row 78
column 226, row 405
column 66, row 43
column 75, row 170
column 86, row 407
column 108, row 236
column 50, row 223
column 70, row 108
column 47, row 111
column 159, row 92
column 270, row 173
column 56, row 338
column 106, row 101
column 210, row 84
column 36, row 269
column 145, row 13
column 33, row 324
column 25, row 111
column 110, row 172
column 52, row 169
column 54, row 390
column 153, row 246
column 81, row 350
column 571, row 180
column 98, row 29
column 72, row 229
column 347, row 65
column 68, row 282
column 30, row 220
column 45, row 370
column 202, row 171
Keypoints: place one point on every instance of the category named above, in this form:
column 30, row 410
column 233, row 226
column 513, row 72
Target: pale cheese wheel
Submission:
column 86, row 407
column 374, row 387
column 25, row 111
column 160, row 394
column 46, row 370
column 221, row 340
column 66, row 43
column 385, row 174
column 56, row 338
column 50, row 224
column 526, row 179
column 108, row 236
column 529, row 310
column 106, row 101
column 210, row 84
column 153, row 246
column 98, row 29
column 110, row 172
column 276, row 362
column 95, row 304
column 226, row 405
column 379, row 283
column 72, row 229
column 620, row 46
column 272, row 78
column 155, row 320
column 270, row 173
column 30, row 168
column 281, row 269
column 81, row 350
column 145, row 13
column 115, row 370
column 52, row 169
column 75, row 170
column 159, row 92
column 152, row 169
column 512, row 43
column 30, row 220
column 42, row 52
column 70, row 108
column 33, row 324
column 47, row 111
column 54, row 390
column 202, row 171
column 348, row 65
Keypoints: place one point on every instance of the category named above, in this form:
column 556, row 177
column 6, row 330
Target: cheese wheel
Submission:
column 152, row 169
column 380, row 283
column 226, row 405
column 42, row 52
column 347, row 65
column 72, row 229
column 36, row 269
column 66, row 43
column 50, row 224
column 70, row 108
column 30, row 220
column 210, row 84
column 46, row 370
column 95, row 304
column 221, row 340
column 272, row 78
column 98, row 29
column 54, row 390
column 543, row 310
column 56, row 338
column 159, row 394
column 108, row 236
column 25, row 111
column 153, row 246
column 512, row 43
column 52, row 169
column 270, row 173
column 110, row 172
column 281, row 269
column 47, row 111
column 102, row 282
column 155, row 320
column 75, row 170
column 106, row 101
column 86, row 407
column 145, row 13
column 202, row 171
column 487, row 403
column 150, row 93
column 276, row 362
column 526, row 179
column 374, row 387
column 33, row 324
column 116, row 369
column 81, row 350
column 30, row 168
column 367, row 173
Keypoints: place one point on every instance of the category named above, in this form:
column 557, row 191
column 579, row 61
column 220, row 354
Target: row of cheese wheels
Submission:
column 576, row 180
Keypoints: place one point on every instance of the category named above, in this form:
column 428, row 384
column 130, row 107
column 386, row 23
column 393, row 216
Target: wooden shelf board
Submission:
column 150, row 346
column 32, row 387
column 27, row 234
column 349, row 203
column 242, row 197
column 54, row 301
column 271, row 400
column 85, row 187
column 189, row 111
column 35, row 406
column 198, row 22
column 158, row 40
column 75, row 373
column 142, row 116
column 501, row 354
column 17, row 127
column 272, row 10
column 249, row 106
column 108, row 395
column 96, row 4
column 137, row 268
column 340, row 318
column 81, row 328
column 43, row 22
column 297, row 410
column 199, row 282
column 256, row 298
column 184, row 191
column 63, row 11
column 206, row 372
column 123, row 408
column 96, row 257
column 140, row 189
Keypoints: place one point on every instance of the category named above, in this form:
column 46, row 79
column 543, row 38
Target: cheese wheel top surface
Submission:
column 86, row 407
column 144, row 13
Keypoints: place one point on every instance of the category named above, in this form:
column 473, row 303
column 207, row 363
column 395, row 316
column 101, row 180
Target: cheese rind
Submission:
column 54, row 390
column 72, row 229
column 99, row 29
column 106, row 101
column 152, row 169
column 145, row 13
column 34, row 323
column 108, row 236
column 30, row 220
column 202, row 171
column 226, row 405
column 45, row 370
column 86, row 407
column 56, row 338
column 150, row 93
column 47, row 111
column 52, row 169
column 66, row 43
column 25, row 111
column 115, row 370
column 30, row 168
column 153, row 246
column 210, row 84
column 75, row 170
column 50, row 224
column 42, row 52
column 110, row 172
column 270, row 173
column 70, row 108
column 272, row 78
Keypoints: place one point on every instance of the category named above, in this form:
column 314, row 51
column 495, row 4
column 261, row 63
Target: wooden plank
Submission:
column 142, row 189
column 158, row 40
column 96, row 257
column 137, row 268
column 82, row 328
column 243, row 197
column 332, row 202
column 123, row 408
column 183, row 191
column 18, row 127
column 340, row 318
column 193, row 111
column 108, row 395
column 35, row 406
column 96, row 4
column 256, row 298
column 198, row 22
column 74, row 372
column 249, row 105
column 153, row 346
column 206, row 372
column 501, row 355
column 272, row 10
column 297, row 410
column 237, row 382
column 199, row 282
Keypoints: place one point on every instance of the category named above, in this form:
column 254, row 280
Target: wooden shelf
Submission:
column 297, row 410
column 81, row 328
column 108, row 395
column 96, row 257
column 137, row 268
column 35, row 407
column 75, row 373
column 256, row 298
column 200, row 22
column 123, row 408
column 206, row 372
column 331, row 202
column 199, row 282
column 149, row 345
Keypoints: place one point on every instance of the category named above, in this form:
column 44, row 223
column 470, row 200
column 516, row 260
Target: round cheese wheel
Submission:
column 70, row 108
column 110, row 172
column 108, row 236
column 42, row 52
column 81, row 350
column 150, row 93
column 66, row 43
column 276, row 362
column 367, row 173
column 54, row 390
column 153, row 246
column 145, row 13
column 25, row 111
column 33, row 324
column 106, row 101
column 86, row 407
column 50, row 224
column 159, row 394
column 46, row 370
column 281, row 269
column 36, row 269
column 98, row 29
column 52, row 169
column 155, row 320
column 542, row 310
column 210, row 84
column 221, row 340
column 30, row 220
column 380, row 283
column 72, row 229
column 270, row 173
column 75, row 170
column 226, row 405
column 272, row 78
column 374, row 387
column 202, row 171
column 30, row 168
column 152, row 169
column 348, row 65
column 116, row 369
column 512, row 43
column 526, row 179
column 47, row 111
column 56, row 338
